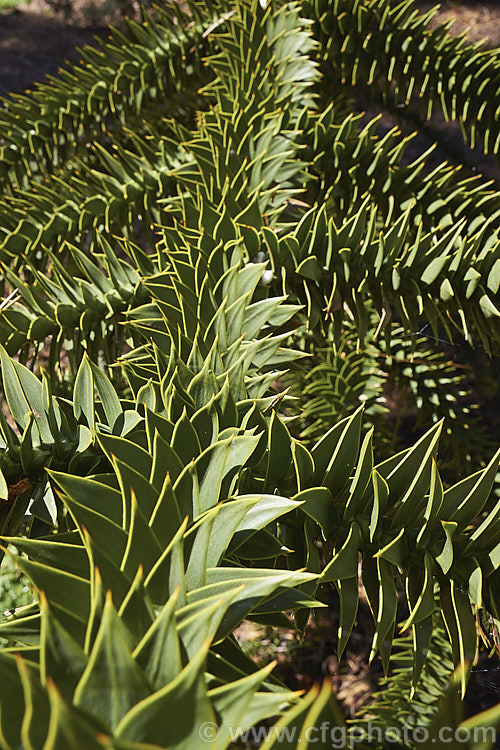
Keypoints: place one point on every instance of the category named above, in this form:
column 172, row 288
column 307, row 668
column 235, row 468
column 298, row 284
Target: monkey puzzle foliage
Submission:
column 210, row 260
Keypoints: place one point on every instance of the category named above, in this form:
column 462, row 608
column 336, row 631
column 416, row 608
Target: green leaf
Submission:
column 386, row 612
column 396, row 551
column 279, row 452
column 305, row 721
column 184, row 700
column 61, row 658
column 94, row 495
column 344, row 455
column 83, row 398
column 166, row 516
column 212, row 534
column 169, row 571
column 462, row 502
column 33, row 390
column 445, row 557
column 260, row 584
column 35, row 720
column 484, row 724
column 344, row 564
column 304, row 465
column 14, row 394
column 105, row 534
column 112, row 683
column 380, row 498
column 409, row 480
column 232, row 701
column 317, row 502
column 107, row 394
column 69, row 593
column 217, row 463
column 4, row 488
column 142, row 548
column 421, row 602
column 69, row 728
column 263, row 510
column 434, row 503
column 461, row 626
column 361, row 477
column 13, row 706
column 349, row 600
column 125, row 450
column 165, row 460
column 199, row 621
column 158, row 653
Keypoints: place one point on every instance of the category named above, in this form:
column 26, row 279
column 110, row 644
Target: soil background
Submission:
column 35, row 42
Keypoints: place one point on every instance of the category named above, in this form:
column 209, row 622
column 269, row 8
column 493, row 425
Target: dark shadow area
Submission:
column 34, row 45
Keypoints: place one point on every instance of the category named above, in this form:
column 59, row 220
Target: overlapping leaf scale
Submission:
column 452, row 280
column 335, row 380
column 116, row 83
column 54, row 245
column 81, row 303
column 123, row 689
column 49, row 431
column 233, row 355
column 185, row 444
column 109, row 208
column 416, row 707
column 114, row 195
column 395, row 515
column 352, row 161
column 438, row 389
column 246, row 147
column 168, row 583
column 393, row 48
column 382, row 512
column 435, row 703
column 130, row 531
column 426, row 384
column 213, row 310
column 125, row 655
